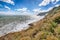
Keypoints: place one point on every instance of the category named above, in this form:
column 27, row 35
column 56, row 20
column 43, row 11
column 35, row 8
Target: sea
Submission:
column 15, row 23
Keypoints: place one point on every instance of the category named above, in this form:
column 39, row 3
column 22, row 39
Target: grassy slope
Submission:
column 45, row 29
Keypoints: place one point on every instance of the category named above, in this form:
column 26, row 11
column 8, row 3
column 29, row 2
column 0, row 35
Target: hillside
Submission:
column 47, row 28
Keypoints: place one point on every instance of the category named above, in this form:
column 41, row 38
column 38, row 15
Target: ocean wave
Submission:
column 16, row 26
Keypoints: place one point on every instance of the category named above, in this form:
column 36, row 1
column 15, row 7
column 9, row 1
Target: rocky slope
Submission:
column 47, row 28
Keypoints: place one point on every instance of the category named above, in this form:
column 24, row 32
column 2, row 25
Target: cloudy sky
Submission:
column 18, row 7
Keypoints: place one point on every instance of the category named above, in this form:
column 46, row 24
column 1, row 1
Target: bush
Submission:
column 54, row 24
column 57, row 20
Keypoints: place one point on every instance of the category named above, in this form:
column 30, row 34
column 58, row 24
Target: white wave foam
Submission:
column 15, row 26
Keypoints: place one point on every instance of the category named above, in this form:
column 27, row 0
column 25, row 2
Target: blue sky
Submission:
column 17, row 7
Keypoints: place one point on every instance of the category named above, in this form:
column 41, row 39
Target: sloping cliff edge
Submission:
column 47, row 28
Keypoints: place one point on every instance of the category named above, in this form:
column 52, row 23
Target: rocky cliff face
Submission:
column 47, row 28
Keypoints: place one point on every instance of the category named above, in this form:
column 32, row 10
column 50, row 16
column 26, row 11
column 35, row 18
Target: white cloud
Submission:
column 55, row 1
column 23, row 11
column 57, row 5
column 46, row 2
column 8, row 1
column 7, row 13
column 38, row 10
column 7, row 7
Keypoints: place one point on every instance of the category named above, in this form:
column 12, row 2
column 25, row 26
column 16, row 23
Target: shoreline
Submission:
column 19, row 27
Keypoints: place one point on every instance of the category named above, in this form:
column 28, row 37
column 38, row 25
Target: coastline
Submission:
column 18, row 26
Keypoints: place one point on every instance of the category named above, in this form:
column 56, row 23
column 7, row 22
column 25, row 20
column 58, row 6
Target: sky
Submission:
column 26, row 7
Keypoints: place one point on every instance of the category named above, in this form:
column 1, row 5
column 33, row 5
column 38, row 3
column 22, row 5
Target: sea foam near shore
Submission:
column 16, row 26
